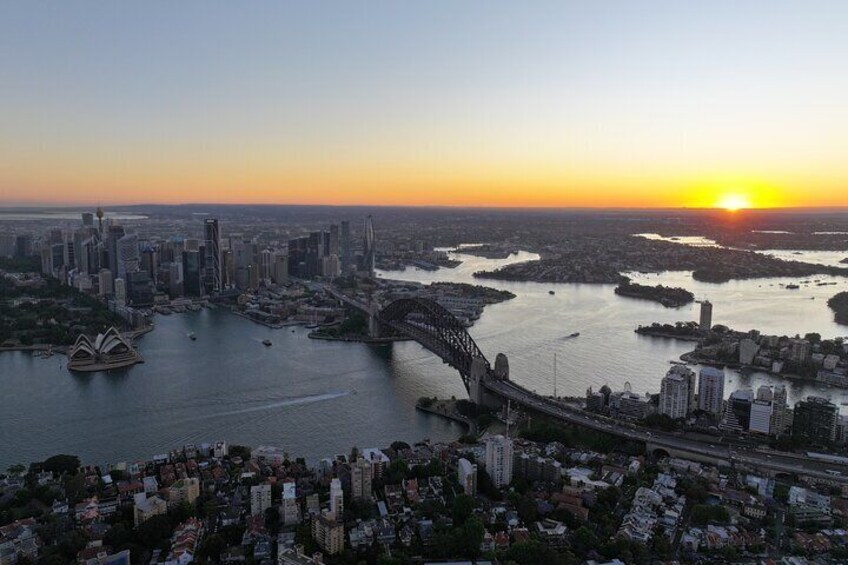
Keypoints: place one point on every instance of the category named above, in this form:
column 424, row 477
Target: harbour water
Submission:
column 317, row 398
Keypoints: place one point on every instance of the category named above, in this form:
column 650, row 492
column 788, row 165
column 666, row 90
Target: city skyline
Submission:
column 553, row 105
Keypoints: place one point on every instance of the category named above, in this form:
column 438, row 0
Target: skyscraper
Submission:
column 815, row 420
column 260, row 499
column 191, row 273
column 88, row 219
column 368, row 249
column 346, row 248
column 706, row 315
column 290, row 510
column 336, row 499
column 711, row 390
column 779, row 419
column 128, row 258
column 499, row 460
column 212, row 278
column 360, row 479
column 677, row 392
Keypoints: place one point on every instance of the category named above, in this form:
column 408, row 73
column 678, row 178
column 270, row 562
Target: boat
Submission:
column 575, row 334
column 792, row 287
column 266, row 342
column 192, row 337
column 551, row 292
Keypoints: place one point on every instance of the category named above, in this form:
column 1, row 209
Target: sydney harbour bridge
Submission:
column 438, row 331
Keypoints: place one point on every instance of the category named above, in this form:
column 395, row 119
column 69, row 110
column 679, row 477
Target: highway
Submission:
column 772, row 461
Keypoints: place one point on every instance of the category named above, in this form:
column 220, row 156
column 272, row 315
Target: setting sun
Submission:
column 733, row 202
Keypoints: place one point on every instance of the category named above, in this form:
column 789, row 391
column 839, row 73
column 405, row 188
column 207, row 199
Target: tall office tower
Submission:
column 192, row 244
column 737, row 411
column 192, row 285
column 7, row 245
column 360, row 480
column 677, row 391
column 149, row 262
column 241, row 263
column 128, row 258
column 330, row 267
column 23, row 246
column 260, row 499
column 369, row 247
column 290, row 510
column 346, row 248
column 333, row 241
column 467, row 475
column 297, row 256
column 706, row 315
column 70, row 255
column 316, row 248
column 104, row 280
column 280, row 269
column 212, row 279
column 499, row 460
column 266, row 263
column 120, row 291
column 779, row 419
column 336, row 499
column 57, row 259
column 88, row 219
column 175, row 279
column 711, row 390
column 815, row 420
column 114, row 233
column 140, row 288
column 227, row 272
column 760, row 418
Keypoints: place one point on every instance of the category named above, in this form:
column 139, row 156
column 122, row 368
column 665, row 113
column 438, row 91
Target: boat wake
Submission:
column 283, row 403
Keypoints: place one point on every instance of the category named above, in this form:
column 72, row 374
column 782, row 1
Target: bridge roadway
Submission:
column 772, row 461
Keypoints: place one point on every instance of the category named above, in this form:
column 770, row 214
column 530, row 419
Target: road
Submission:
column 772, row 461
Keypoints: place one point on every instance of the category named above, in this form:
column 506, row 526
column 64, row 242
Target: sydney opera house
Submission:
column 108, row 351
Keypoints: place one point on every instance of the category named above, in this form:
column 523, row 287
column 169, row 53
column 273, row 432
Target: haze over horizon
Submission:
column 577, row 104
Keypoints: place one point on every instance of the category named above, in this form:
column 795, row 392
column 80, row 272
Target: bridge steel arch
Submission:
column 434, row 327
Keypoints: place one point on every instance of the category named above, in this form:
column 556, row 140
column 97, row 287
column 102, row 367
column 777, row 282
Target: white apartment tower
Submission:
column 260, row 499
column 711, row 390
column 499, row 460
column 336, row 499
column 677, row 392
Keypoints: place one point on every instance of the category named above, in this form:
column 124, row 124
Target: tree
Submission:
column 470, row 537
column 16, row 470
column 272, row 520
column 62, row 464
column 463, row 507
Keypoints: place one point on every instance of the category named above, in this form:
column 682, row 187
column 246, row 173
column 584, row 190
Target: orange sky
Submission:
column 652, row 104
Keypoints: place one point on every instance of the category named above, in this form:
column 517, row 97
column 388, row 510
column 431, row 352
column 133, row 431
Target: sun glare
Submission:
column 733, row 202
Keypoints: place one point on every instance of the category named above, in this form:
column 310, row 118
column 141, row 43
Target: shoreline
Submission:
column 351, row 339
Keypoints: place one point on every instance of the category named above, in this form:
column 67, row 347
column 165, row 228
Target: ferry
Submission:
column 266, row 342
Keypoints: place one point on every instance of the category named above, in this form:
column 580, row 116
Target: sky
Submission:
column 491, row 103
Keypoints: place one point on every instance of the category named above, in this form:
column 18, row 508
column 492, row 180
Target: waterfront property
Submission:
column 107, row 351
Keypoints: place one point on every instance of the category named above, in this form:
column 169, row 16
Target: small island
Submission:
column 670, row 297
column 685, row 331
column 839, row 304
